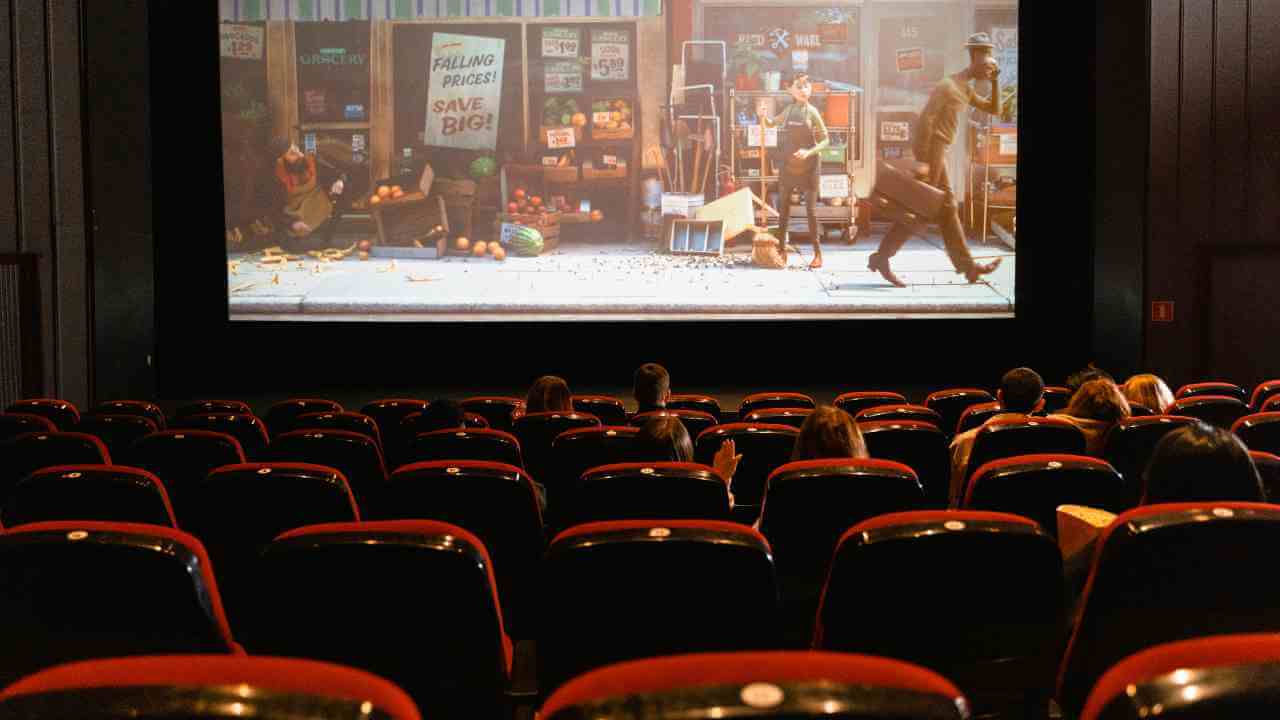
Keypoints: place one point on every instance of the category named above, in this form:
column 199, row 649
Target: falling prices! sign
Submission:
column 464, row 93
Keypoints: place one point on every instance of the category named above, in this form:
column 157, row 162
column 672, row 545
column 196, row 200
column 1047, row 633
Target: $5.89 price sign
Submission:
column 610, row 55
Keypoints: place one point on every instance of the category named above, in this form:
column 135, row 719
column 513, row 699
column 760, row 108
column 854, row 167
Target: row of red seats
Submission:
column 981, row 602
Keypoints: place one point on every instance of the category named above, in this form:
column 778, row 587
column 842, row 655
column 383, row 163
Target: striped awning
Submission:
column 306, row 10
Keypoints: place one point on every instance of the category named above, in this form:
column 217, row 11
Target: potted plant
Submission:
column 746, row 62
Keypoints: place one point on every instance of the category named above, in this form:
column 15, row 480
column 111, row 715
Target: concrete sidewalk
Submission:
column 608, row 281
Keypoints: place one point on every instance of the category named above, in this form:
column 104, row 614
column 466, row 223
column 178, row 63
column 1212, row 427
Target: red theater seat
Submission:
column 248, row 430
column 182, row 459
column 920, row 446
column 204, row 687
column 237, row 509
column 857, row 401
column 950, row 404
column 388, row 413
column 609, row 409
column 764, row 448
column 28, row 453
column 1260, row 431
column 1129, row 444
column 14, row 424
column 1217, row 410
column 694, row 421
column 900, row 413
column 1140, row 410
column 474, row 421
column 207, row 407
column 701, row 403
column 1211, row 388
column 1035, row 485
column 500, row 411
column 117, row 432
column 808, row 505
column 794, row 417
column 1262, row 393
column 537, row 433
column 975, row 596
column 632, row 491
column 629, row 589
column 106, row 493
column 141, row 408
column 974, row 415
column 999, row 439
column 1268, row 466
column 349, row 421
column 495, row 501
column 762, row 400
column 1056, row 399
column 83, row 590
column 799, row 685
column 1172, row 572
column 61, row 413
column 463, row 444
column 282, row 417
column 1229, row 676
column 413, row 601
column 354, row 455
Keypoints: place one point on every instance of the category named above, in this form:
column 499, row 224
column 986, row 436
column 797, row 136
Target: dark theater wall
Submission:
column 1213, row 247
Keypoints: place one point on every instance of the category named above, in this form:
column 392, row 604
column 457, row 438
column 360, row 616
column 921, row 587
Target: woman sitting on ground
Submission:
column 549, row 394
column 1201, row 463
column 665, row 439
column 1095, row 408
column 1149, row 391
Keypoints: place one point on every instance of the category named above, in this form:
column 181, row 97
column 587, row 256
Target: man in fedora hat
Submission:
column 934, row 133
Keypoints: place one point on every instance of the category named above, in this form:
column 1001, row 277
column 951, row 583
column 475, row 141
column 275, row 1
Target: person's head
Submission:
column 652, row 385
column 442, row 415
column 1198, row 463
column 1150, row 391
column 1078, row 378
column 549, row 394
column 665, row 439
column 800, row 87
column 1098, row 400
column 283, row 148
column 829, row 432
column 982, row 60
column 1021, row 390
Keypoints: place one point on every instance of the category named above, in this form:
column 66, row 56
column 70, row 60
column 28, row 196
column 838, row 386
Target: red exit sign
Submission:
column 1162, row 311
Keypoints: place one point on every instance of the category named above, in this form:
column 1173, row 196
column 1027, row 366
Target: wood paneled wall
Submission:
column 1214, row 187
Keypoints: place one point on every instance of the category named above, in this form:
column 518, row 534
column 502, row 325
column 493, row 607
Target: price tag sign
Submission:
column 770, row 136
column 601, row 118
column 910, row 59
column 895, row 131
column 504, row 235
column 562, row 77
column 1008, row 144
column 560, row 42
column 357, row 142
column 609, row 161
column 833, row 186
column 241, row 42
column 561, row 138
column 309, row 143
column 550, row 161
column 610, row 55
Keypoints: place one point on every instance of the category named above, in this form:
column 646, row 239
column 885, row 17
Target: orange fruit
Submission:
column 375, row 199
column 384, row 192
column 499, row 253
column 479, row 248
column 462, row 243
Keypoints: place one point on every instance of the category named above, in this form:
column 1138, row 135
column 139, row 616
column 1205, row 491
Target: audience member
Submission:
column 665, row 439
column 1200, row 462
column 1091, row 372
column 1021, row 390
column 1149, row 391
column 548, row 394
column 829, row 432
column 652, row 387
column 1095, row 408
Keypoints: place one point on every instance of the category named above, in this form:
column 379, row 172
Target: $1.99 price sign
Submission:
column 559, row 42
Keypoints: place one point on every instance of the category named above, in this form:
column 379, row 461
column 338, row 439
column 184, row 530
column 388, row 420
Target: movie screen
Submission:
column 506, row 160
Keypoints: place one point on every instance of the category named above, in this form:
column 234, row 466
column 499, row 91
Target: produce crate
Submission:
column 411, row 218
column 590, row 172
column 459, row 197
column 566, row 175
column 531, row 177
column 621, row 134
column 546, row 223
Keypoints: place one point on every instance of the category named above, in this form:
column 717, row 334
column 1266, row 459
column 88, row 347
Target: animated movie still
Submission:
column 632, row 160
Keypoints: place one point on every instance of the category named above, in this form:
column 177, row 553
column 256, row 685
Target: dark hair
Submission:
column 549, row 394
column 797, row 77
column 1021, row 390
column 1078, row 378
column 651, row 384
column 279, row 146
column 1200, row 462
column 1099, row 400
column 829, row 432
column 665, row 439
column 441, row 415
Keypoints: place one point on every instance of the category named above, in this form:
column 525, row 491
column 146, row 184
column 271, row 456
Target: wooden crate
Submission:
column 459, row 196
column 412, row 217
column 531, row 177
column 601, row 134
column 590, row 172
column 546, row 223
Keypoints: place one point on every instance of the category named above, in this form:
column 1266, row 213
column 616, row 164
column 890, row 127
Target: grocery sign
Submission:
column 465, row 91
column 241, row 42
column 910, row 59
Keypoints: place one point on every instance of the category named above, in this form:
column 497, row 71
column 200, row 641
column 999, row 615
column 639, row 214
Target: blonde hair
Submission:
column 1148, row 390
column 1098, row 400
column 829, row 432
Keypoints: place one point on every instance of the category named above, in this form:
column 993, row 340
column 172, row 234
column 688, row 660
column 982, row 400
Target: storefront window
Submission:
column 784, row 39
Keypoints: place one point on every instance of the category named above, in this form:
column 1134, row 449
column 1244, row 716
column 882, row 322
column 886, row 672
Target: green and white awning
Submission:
column 311, row 10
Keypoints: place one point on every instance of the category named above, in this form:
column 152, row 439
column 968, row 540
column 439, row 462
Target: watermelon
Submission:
column 483, row 167
column 525, row 241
